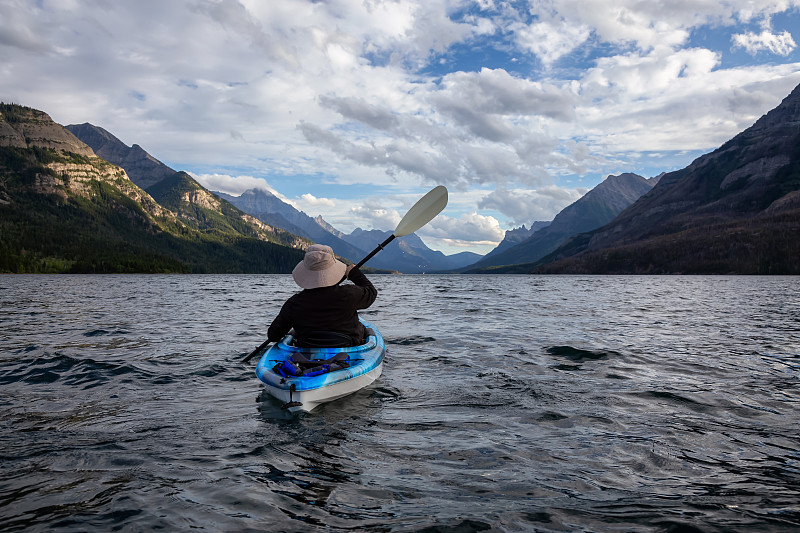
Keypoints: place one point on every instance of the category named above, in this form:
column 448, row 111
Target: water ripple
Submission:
column 507, row 403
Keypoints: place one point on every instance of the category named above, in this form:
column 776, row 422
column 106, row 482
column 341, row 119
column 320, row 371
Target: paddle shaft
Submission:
column 375, row 251
column 254, row 352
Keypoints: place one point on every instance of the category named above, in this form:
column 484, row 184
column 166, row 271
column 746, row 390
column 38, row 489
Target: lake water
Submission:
column 507, row 403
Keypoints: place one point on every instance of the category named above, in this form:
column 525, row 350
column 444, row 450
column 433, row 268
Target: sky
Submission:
column 353, row 109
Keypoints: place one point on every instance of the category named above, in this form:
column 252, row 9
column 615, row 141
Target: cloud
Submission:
column 493, row 93
column 16, row 28
column 471, row 227
column 504, row 115
column 359, row 110
column 526, row 99
column 782, row 44
column 523, row 206
column 550, row 40
column 236, row 19
column 311, row 200
column 559, row 26
column 394, row 156
column 372, row 215
column 234, row 185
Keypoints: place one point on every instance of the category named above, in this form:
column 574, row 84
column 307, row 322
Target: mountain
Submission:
column 515, row 236
column 142, row 168
column 178, row 191
column 594, row 209
column 64, row 209
column 202, row 210
column 260, row 201
column 271, row 210
column 22, row 127
column 407, row 254
column 734, row 210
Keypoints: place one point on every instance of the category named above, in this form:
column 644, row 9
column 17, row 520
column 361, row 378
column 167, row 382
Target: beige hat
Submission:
column 319, row 268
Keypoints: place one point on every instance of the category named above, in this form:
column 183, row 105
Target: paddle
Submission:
column 254, row 352
column 420, row 214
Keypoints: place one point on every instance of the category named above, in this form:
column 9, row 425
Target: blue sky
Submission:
column 353, row 109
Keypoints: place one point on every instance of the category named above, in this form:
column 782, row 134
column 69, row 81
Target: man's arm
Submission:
column 280, row 326
column 369, row 292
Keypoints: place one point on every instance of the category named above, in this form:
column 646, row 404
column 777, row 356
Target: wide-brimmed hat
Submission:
column 319, row 268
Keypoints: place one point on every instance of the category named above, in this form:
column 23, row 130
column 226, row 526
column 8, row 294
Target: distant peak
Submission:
column 625, row 176
column 82, row 129
column 257, row 192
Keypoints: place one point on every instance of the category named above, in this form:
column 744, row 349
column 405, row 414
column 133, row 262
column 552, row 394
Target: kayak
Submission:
column 325, row 374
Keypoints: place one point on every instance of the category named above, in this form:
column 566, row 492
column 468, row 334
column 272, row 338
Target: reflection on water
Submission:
column 507, row 403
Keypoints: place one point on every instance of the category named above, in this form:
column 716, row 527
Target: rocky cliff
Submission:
column 24, row 127
column 66, row 165
column 143, row 169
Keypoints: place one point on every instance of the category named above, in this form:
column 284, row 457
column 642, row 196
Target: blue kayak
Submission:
column 325, row 374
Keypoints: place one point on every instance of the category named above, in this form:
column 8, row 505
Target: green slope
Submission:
column 46, row 226
column 206, row 212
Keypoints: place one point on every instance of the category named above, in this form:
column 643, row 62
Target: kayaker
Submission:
column 325, row 312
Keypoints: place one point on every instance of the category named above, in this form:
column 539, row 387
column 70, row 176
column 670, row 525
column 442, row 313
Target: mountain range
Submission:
column 77, row 199
column 594, row 209
column 199, row 207
column 178, row 191
column 735, row 210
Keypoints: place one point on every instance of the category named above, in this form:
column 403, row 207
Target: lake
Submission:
column 507, row 403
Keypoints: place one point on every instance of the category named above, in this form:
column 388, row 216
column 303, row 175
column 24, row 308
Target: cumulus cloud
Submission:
column 479, row 127
column 550, row 40
column 781, row 44
column 358, row 109
column 394, row 156
column 311, row 200
column 233, row 185
column 496, row 92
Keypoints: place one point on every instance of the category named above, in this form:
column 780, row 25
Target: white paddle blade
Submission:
column 423, row 211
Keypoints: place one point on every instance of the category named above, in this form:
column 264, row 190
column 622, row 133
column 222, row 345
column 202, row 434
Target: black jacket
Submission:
column 326, row 309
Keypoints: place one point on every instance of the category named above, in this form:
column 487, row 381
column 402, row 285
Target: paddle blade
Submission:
column 423, row 211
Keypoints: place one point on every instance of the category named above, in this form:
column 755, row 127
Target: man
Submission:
column 325, row 312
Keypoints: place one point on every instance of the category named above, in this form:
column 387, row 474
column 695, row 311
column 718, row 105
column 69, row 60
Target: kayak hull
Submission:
column 304, row 393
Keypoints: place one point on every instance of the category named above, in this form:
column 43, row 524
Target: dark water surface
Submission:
column 506, row 404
